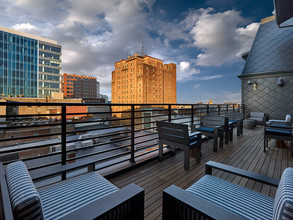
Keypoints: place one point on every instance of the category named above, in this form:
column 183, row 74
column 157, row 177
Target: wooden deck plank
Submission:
column 246, row 152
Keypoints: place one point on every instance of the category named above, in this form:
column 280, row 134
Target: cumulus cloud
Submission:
column 96, row 34
column 185, row 71
column 25, row 27
column 93, row 34
column 220, row 36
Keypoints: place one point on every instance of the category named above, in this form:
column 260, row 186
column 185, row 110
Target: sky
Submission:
column 204, row 38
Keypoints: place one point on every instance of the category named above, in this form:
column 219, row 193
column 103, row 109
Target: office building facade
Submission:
column 49, row 69
column 29, row 65
column 79, row 86
column 143, row 79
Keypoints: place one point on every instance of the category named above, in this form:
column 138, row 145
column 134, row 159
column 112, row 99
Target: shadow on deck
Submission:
column 245, row 152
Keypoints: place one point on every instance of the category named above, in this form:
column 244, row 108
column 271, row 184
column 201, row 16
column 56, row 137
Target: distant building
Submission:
column 105, row 97
column 98, row 90
column 267, row 77
column 29, row 65
column 79, row 86
column 143, row 79
column 210, row 102
column 24, row 110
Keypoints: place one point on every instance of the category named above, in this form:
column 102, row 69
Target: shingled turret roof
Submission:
column 271, row 51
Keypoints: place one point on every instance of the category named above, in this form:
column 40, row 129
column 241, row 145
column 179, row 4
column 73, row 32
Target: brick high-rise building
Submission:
column 143, row 79
column 79, row 86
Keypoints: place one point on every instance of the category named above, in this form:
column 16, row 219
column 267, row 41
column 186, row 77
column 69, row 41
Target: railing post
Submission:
column 227, row 108
column 192, row 118
column 192, row 114
column 169, row 113
column 208, row 109
column 233, row 108
column 63, row 137
column 132, row 135
column 219, row 110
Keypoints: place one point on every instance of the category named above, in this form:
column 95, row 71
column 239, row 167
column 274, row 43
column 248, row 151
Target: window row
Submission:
column 50, row 48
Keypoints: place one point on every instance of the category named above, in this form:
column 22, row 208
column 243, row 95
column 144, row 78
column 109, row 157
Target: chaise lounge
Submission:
column 215, row 198
column 88, row 196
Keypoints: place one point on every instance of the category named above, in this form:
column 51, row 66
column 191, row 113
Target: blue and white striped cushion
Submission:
column 283, row 208
column 24, row 197
column 68, row 196
column 237, row 199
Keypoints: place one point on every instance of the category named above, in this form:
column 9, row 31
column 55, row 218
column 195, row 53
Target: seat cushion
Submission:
column 237, row 199
column 193, row 140
column 205, row 129
column 283, row 208
column 25, row 199
column 256, row 119
column 278, row 132
column 68, row 196
column 280, row 126
column 233, row 121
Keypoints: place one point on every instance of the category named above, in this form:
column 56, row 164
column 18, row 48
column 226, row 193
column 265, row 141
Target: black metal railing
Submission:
column 49, row 134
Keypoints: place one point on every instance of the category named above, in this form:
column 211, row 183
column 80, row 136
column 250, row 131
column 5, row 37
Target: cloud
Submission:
column 196, row 86
column 93, row 34
column 185, row 71
column 25, row 27
column 220, row 36
column 204, row 78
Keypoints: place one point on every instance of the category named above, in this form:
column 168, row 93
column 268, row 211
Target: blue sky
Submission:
column 205, row 39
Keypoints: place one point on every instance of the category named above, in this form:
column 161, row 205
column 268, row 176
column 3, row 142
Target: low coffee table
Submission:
column 249, row 123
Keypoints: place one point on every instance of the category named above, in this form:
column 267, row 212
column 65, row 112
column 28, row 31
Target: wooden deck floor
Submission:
column 244, row 152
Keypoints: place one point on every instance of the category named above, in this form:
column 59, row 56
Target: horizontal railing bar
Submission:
column 100, row 144
column 95, row 129
column 141, row 142
column 151, row 116
column 28, row 137
column 104, row 120
column 44, row 165
column 27, row 148
column 100, row 160
column 31, row 126
column 99, row 104
column 104, row 151
column 113, row 164
column 33, row 158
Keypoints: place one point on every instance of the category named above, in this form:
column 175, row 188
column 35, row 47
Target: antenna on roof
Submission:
column 142, row 49
column 142, row 52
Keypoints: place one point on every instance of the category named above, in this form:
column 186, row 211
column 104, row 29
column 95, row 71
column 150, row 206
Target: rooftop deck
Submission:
column 244, row 152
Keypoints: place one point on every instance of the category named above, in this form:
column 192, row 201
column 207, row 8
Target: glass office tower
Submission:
column 18, row 65
column 30, row 66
